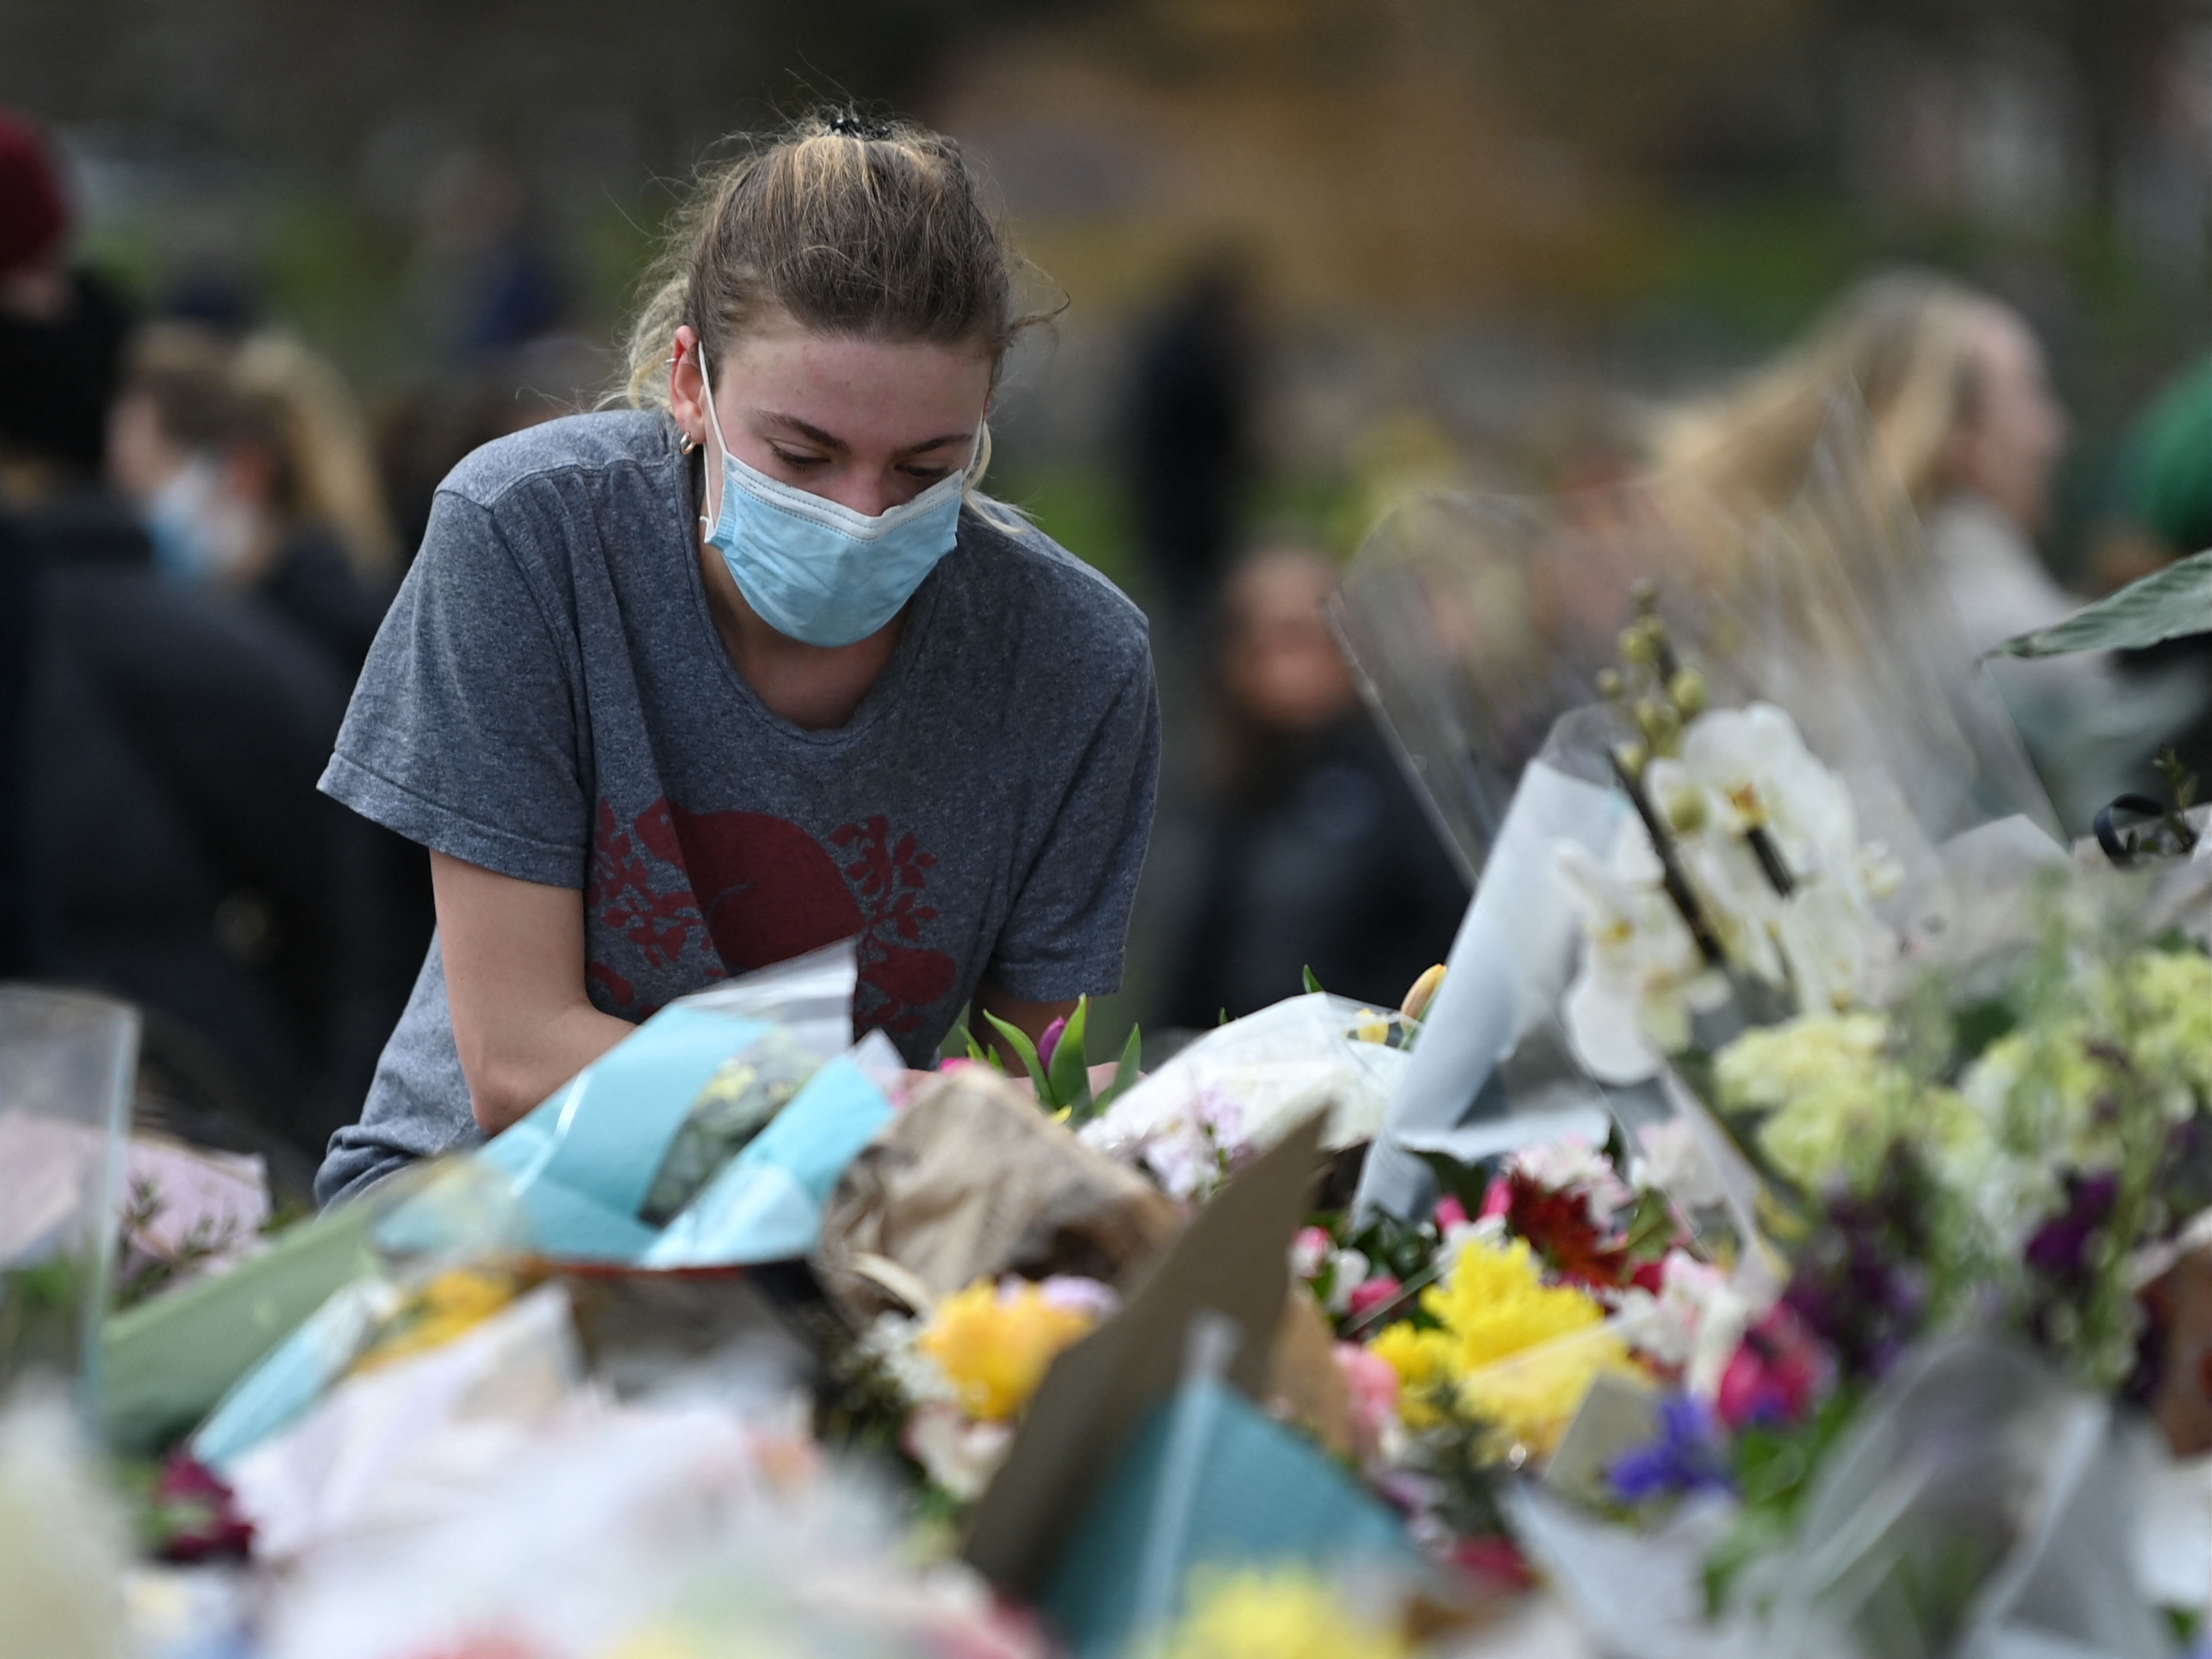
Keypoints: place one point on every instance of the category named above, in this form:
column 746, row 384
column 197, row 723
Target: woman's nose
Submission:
column 868, row 492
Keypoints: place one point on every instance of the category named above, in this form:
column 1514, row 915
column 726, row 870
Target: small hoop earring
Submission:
column 686, row 443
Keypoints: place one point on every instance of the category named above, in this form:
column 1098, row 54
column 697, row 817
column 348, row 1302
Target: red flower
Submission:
column 1494, row 1560
column 197, row 1514
column 1559, row 1228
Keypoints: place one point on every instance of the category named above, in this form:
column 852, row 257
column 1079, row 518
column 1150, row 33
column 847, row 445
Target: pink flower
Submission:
column 1048, row 1044
column 1377, row 1292
column 961, row 1063
column 1498, row 1198
column 1371, row 1385
column 1776, row 1375
column 1450, row 1213
column 1309, row 1252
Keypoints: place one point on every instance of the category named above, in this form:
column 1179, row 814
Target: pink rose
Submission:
column 1450, row 1213
column 1498, row 1198
column 1309, row 1252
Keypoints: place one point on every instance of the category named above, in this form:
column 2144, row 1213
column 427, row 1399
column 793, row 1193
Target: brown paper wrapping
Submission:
column 972, row 1181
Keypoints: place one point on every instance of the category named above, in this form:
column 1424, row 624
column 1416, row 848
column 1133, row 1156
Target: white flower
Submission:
column 1695, row 1323
column 1348, row 1272
column 957, row 1451
column 1641, row 977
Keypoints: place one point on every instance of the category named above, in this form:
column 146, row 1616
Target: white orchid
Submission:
column 1641, row 977
column 1766, row 839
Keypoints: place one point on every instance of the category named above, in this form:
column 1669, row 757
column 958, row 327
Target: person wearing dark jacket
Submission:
column 1308, row 849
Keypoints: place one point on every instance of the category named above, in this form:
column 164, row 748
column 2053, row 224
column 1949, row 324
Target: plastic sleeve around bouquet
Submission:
column 1475, row 623
column 66, row 1063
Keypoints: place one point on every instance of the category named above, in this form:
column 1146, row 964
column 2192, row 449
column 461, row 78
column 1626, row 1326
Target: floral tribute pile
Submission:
column 1879, row 1322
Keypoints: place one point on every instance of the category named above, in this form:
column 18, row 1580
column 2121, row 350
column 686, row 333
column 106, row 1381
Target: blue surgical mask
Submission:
column 816, row 571
column 199, row 532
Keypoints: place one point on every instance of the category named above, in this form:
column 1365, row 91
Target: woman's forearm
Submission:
column 515, row 1068
column 513, row 954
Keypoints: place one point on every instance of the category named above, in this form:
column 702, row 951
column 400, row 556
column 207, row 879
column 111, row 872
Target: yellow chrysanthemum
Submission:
column 1276, row 1615
column 1529, row 1400
column 995, row 1345
column 1495, row 1307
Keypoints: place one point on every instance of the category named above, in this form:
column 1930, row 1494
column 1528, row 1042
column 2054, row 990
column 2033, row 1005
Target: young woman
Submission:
column 680, row 691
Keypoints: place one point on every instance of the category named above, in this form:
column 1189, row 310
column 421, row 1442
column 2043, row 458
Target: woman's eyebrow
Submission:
column 815, row 434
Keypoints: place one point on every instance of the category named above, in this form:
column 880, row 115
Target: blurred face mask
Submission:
column 200, row 533
column 813, row 570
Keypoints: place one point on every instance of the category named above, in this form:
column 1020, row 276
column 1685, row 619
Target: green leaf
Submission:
column 1312, row 984
column 2163, row 606
column 1069, row 1073
column 1024, row 1050
column 1133, row 1054
column 976, row 1051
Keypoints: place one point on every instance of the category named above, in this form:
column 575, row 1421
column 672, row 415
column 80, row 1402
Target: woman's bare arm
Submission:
column 515, row 975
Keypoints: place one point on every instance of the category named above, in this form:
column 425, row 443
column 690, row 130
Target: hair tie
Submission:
column 855, row 125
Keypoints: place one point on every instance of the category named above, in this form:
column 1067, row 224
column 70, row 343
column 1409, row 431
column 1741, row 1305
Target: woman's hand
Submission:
column 515, row 977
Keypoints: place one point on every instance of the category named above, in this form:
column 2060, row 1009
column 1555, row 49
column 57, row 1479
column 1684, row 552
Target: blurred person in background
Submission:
column 2162, row 512
column 425, row 434
column 1189, row 430
column 62, row 333
column 1306, row 846
column 1959, row 394
column 254, row 475
column 183, row 699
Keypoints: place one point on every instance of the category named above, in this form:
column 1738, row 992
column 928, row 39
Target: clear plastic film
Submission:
column 1475, row 623
column 1813, row 622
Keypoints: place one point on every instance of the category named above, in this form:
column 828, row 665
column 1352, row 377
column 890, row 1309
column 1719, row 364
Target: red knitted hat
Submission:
column 33, row 213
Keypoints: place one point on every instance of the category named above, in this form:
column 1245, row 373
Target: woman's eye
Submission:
column 800, row 461
column 929, row 474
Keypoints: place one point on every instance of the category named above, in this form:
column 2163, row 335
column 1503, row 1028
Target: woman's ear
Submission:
column 687, row 387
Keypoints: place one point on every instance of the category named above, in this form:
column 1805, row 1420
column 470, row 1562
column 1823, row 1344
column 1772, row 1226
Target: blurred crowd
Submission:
column 200, row 529
column 199, row 534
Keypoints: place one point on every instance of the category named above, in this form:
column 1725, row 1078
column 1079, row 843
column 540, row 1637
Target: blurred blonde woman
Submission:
column 1956, row 388
column 251, row 468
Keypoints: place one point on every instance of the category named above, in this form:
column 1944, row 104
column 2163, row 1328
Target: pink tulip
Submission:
column 1450, row 1213
column 1048, row 1044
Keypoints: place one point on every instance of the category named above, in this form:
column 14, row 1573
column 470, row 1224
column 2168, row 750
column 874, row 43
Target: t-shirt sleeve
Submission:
column 1069, row 925
column 464, row 731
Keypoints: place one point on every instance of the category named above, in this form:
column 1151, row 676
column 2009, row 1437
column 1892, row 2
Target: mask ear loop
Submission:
column 707, row 522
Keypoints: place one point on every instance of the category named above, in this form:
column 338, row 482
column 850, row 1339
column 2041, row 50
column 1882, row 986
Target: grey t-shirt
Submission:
column 548, row 699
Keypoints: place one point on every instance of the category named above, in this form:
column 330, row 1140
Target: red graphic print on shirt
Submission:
column 762, row 890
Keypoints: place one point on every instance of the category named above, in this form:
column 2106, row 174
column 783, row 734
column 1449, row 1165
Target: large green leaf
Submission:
column 2163, row 606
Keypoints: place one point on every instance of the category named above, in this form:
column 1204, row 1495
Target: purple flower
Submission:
column 1861, row 1282
column 1048, row 1044
column 1687, row 1457
column 2060, row 1247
